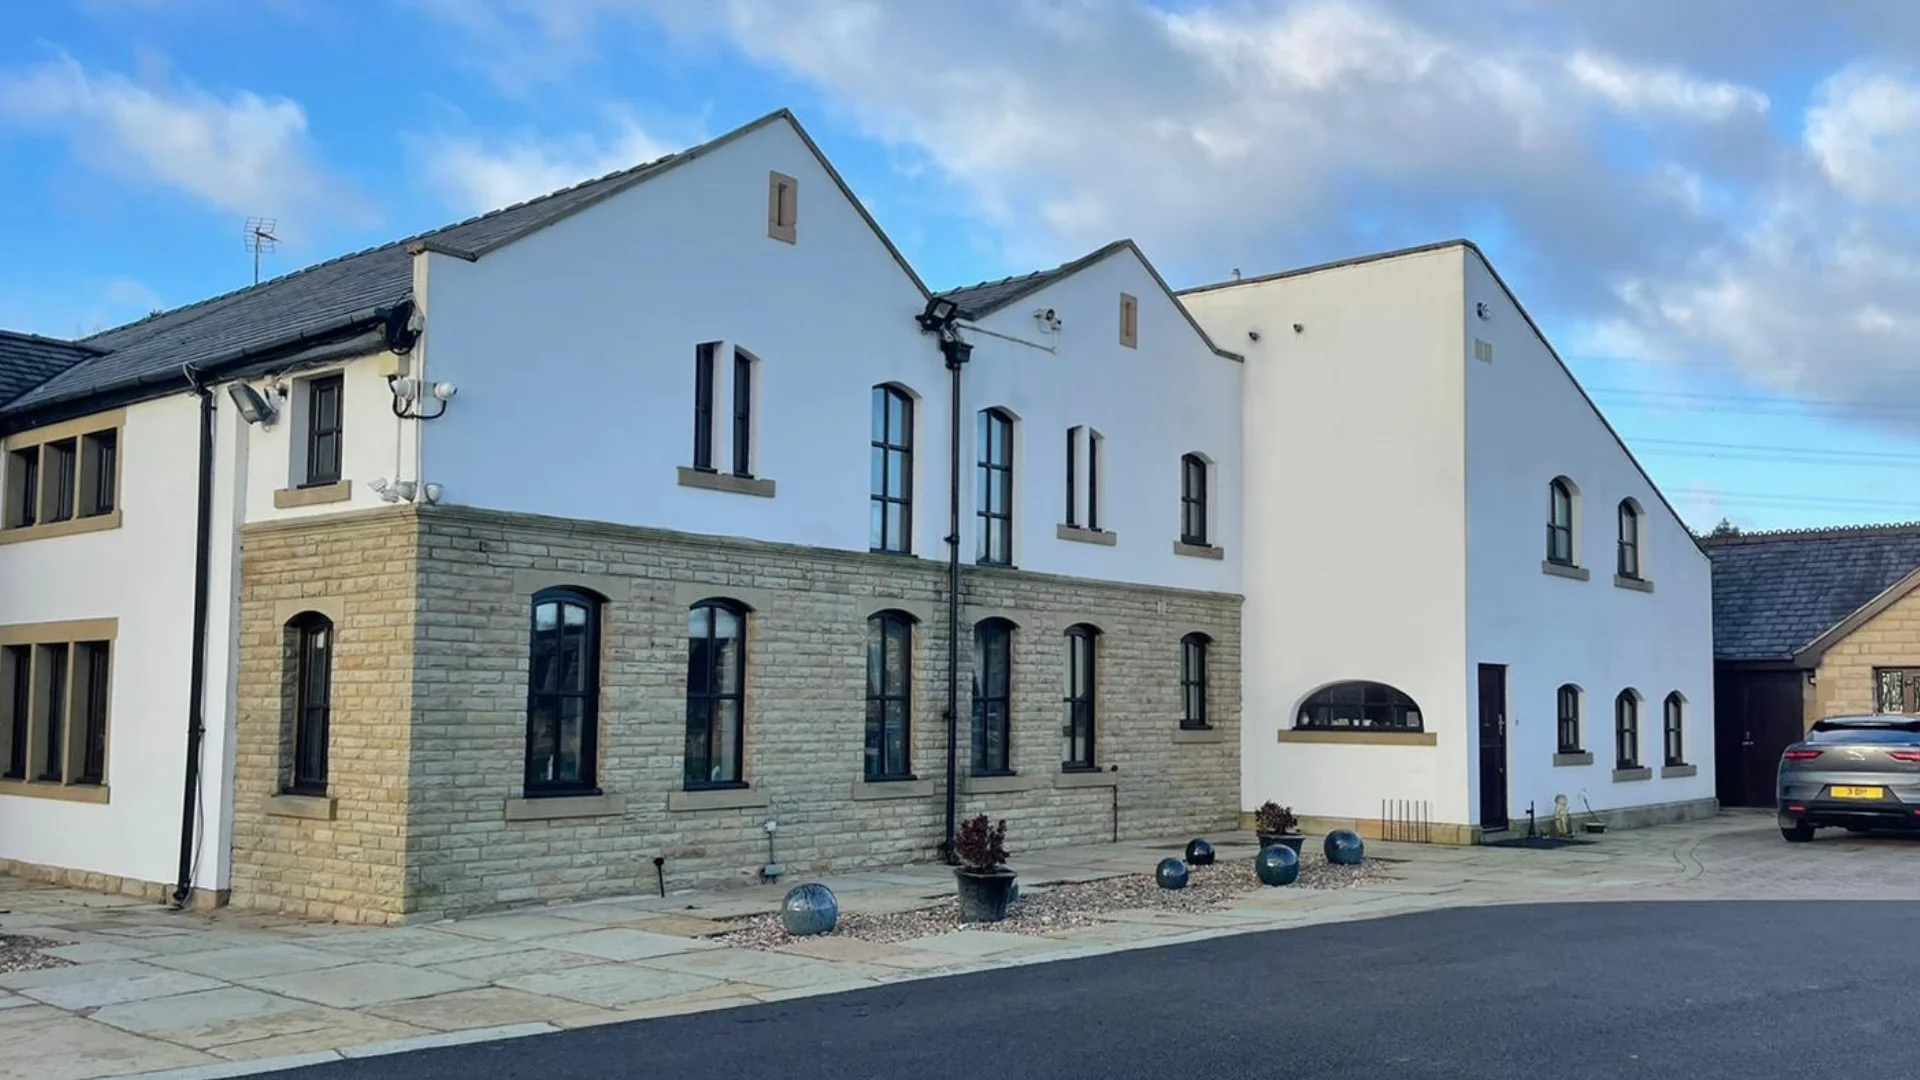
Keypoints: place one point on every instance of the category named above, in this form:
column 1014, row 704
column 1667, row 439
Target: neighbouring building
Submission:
column 1464, row 597
column 1808, row 623
column 602, row 540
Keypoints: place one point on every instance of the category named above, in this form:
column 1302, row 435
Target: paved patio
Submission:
column 154, row 991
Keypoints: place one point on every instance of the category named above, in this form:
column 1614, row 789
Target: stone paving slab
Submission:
column 113, row 990
column 306, row 1031
column 253, row 961
column 515, row 961
column 45, row 1043
column 610, row 986
column 492, row 1006
column 620, row 943
column 358, row 985
column 192, row 1012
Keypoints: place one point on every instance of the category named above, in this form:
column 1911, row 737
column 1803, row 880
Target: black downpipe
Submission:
column 956, row 353
column 197, row 672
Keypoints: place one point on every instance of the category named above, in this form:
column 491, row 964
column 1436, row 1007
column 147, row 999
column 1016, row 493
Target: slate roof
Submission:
column 27, row 360
column 1775, row 592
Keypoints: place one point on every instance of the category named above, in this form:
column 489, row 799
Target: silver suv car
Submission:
column 1860, row 772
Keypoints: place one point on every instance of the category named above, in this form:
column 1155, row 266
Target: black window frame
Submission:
column 19, row 658
column 743, row 364
column 1081, row 698
column 889, row 447
column 1560, row 532
column 1073, row 487
column 1567, row 719
column 60, row 464
column 1903, row 683
column 886, row 758
column 587, row 693
column 52, row 766
column 1626, row 730
column 994, row 528
column 713, row 697
column 26, row 508
column 993, row 686
column 93, row 732
column 1375, row 706
column 313, row 644
column 1193, row 500
column 1673, row 730
column 1627, row 563
column 105, row 450
column 1194, row 650
column 324, row 438
column 703, row 355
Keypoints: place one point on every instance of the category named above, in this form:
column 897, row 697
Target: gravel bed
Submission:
column 1065, row 906
column 19, row 953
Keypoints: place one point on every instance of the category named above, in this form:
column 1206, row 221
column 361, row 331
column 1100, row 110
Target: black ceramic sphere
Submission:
column 1277, row 865
column 1199, row 853
column 1171, row 874
column 809, row 909
column 1345, row 848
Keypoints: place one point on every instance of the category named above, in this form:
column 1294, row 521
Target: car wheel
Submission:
column 1798, row 833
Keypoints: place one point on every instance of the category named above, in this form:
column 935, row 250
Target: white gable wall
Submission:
column 1527, row 423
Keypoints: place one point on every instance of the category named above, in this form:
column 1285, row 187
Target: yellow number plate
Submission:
column 1858, row 792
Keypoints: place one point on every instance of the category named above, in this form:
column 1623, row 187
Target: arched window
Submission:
column 563, row 692
column 1629, row 564
column 1080, row 696
column 1567, row 709
column 1626, row 730
column 311, row 635
column 993, row 698
column 1560, row 522
column 1673, row 726
column 890, row 518
column 889, row 696
column 1193, row 680
column 1365, row 706
column 1193, row 500
column 716, row 694
column 994, row 514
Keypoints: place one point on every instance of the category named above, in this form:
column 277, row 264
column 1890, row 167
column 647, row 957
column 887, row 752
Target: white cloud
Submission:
column 242, row 153
column 475, row 174
column 1663, row 91
column 1864, row 129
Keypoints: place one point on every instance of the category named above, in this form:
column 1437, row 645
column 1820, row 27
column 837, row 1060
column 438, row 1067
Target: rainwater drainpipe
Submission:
column 197, row 670
column 939, row 317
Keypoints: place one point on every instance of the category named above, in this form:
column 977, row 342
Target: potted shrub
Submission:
column 986, row 885
column 1276, row 825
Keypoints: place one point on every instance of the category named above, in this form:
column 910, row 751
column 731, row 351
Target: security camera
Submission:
column 444, row 390
column 404, row 388
column 1253, row 335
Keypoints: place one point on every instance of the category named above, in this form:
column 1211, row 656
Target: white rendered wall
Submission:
column 1354, row 524
column 374, row 444
column 1527, row 423
column 1168, row 396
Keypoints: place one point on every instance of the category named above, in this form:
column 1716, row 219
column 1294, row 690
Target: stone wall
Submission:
column 1844, row 681
column 342, row 856
column 470, row 847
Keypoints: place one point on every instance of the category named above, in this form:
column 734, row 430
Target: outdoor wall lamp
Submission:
column 255, row 408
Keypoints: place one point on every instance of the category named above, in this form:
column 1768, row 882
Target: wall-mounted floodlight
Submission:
column 254, row 408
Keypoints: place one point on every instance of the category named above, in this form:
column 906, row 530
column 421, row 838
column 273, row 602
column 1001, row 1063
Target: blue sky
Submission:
column 1708, row 204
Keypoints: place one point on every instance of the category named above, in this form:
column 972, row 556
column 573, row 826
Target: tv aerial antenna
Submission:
column 260, row 238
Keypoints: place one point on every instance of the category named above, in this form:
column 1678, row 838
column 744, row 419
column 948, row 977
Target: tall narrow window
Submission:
column 95, row 659
column 312, row 635
column 783, row 206
column 890, row 523
column 1073, row 487
column 995, row 495
column 1094, row 442
column 1560, row 522
column 1896, row 690
column 1629, row 540
column 99, row 473
column 716, row 694
column 1193, row 500
column 61, row 462
column 1567, row 708
column 324, row 423
column 1673, row 726
column 703, row 404
column 1626, row 730
column 889, row 696
column 1129, row 321
column 563, row 691
column 1193, row 680
column 23, row 487
column 52, row 676
column 743, row 365
column 993, row 698
column 1080, row 696
column 19, row 673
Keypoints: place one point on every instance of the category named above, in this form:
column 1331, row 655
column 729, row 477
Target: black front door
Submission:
column 1757, row 716
column 1493, row 746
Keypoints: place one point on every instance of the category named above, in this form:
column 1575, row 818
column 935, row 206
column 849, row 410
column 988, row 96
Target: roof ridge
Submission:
column 1104, row 249
column 1822, row 532
column 65, row 343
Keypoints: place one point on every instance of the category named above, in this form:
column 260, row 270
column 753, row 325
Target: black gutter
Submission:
column 197, row 671
column 956, row 353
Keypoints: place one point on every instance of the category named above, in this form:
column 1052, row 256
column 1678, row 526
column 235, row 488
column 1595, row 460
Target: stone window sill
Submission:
column 319, row 495
column 1361, row 738
column 48, row 789
column 1623, row 776
column 686, row 802
column 1675, row 772
column 565, row 806
column 1199, row 735
column 1086, row 778
column 1199, row 551
column 1081, row 535
column 1621, row 581
column 1572, row 757
column 997, row 785
column 727, row 482
column 312, row 807
column 1576, row 573
column 911, row 788
column 70, row 527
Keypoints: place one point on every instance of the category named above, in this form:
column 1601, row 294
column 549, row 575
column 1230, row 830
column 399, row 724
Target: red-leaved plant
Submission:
column 982, row 847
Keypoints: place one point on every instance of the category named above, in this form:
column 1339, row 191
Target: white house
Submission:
column 1465, row 599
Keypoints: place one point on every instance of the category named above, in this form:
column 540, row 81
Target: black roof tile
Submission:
column 27, row 360
column 1775, row 592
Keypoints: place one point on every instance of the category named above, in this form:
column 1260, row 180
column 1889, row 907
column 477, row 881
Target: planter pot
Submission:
column 1285, row 840
column 984, row 897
